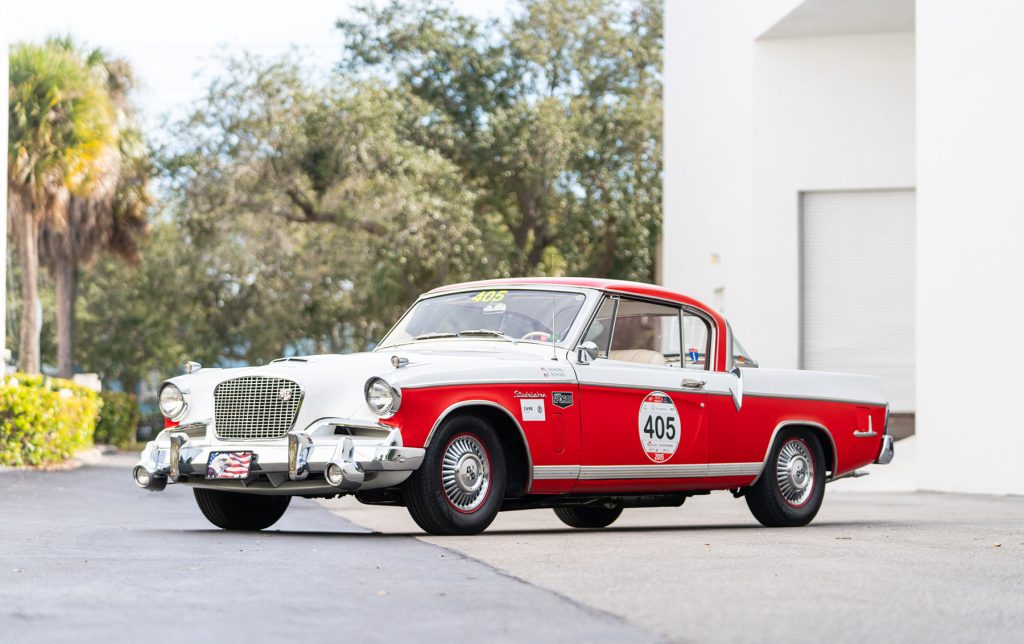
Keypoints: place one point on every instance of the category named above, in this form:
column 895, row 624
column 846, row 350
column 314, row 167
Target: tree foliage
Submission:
column 304, row 212
column 61, row 140
column 555, row 118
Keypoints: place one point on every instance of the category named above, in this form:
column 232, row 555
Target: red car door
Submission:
column 643, row 427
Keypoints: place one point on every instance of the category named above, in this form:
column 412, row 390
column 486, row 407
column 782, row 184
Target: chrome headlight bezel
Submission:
column 377, row 388
column 174, row 407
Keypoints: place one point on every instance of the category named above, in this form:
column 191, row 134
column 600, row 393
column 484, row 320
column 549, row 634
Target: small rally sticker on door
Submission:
column 533, row 408
column 659, row 426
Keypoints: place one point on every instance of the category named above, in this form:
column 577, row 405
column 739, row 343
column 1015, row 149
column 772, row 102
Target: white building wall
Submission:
column 831, row 113
column 708, row 153
column 749, row 124
column 970, row 333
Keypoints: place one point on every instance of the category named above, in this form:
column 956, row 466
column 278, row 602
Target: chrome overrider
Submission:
column 331, row 456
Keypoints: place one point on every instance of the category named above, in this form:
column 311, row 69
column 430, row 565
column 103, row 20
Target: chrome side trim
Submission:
column 787, row 423
column 867, row 434
column 645, row 388
column 488, row 403
column 866, row 403
column 551, row 472
column 734, row 469
column 459, row 383
column 615, row 472
column 601, row 472
column 700, row 470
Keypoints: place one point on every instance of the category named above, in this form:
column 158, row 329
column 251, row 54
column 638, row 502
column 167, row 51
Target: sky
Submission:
column 174, row 46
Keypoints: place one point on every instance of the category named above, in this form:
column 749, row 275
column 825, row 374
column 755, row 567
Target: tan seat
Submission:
column 640, row 356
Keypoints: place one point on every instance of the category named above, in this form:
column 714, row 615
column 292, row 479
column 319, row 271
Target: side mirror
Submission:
column 586, row 352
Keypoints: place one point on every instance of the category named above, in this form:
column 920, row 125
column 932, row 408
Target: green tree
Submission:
column 319, row 217
column 554, row 118
column 111, row 216
column 61, row 133
column 136, row 320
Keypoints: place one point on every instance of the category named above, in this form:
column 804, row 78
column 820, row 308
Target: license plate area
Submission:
column 229, row 465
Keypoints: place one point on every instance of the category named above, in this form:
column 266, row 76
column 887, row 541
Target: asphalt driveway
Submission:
column 85, row 556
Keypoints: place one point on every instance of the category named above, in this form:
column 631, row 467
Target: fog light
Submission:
column 334, row 474
column 142, row 476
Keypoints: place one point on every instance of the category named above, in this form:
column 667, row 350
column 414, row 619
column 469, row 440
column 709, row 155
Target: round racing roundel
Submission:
column 659, row 426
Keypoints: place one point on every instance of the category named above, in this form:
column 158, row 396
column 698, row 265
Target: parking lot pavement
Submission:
column 873, row 566
column 85, row 556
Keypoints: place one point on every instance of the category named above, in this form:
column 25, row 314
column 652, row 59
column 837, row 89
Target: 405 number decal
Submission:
column 489, row 296
column 659, row 426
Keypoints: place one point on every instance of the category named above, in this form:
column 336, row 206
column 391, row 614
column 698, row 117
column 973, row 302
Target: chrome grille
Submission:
column 255, row 407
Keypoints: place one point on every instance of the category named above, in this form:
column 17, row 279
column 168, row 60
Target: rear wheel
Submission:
column 460, row 486
column 238, row 511
column 792, row 486
column 589, row 516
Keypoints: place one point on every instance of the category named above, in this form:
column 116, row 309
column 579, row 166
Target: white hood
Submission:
column 333, row 384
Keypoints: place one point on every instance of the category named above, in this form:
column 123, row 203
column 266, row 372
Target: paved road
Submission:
column 86, row 556
column 872, row 567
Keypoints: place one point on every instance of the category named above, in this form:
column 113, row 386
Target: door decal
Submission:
column 659, row 427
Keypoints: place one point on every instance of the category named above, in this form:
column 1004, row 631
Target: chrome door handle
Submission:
column 690, row 383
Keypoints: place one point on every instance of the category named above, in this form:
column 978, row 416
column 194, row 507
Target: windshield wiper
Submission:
column 487, row 332
column 431, row 336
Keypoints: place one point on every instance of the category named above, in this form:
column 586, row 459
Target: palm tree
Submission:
column 61, row 136
column 110, row 216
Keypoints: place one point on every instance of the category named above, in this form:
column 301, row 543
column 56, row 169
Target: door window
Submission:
column 696, row 341
column 635, row 331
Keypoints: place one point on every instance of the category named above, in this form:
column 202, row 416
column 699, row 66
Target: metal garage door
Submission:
column 857, row 283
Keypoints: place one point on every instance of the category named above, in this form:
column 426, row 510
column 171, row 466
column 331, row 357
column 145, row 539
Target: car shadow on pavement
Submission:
column 539, row 531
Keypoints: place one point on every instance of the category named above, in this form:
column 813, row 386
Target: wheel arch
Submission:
column 822, row 433
column 513, row 440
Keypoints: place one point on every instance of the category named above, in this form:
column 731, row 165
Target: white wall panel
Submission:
column 857, row 287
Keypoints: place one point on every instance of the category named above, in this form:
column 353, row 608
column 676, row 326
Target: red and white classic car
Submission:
column 582, row 395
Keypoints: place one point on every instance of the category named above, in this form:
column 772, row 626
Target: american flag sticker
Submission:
column 228, row 465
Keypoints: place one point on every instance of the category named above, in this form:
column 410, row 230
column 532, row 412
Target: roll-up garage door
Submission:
column 857, row 283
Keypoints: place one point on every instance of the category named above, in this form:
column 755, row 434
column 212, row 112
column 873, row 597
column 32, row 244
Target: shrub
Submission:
column 44, row 420
column 118, row 420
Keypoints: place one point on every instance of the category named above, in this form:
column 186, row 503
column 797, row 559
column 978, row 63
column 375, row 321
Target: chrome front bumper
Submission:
column 315, row 461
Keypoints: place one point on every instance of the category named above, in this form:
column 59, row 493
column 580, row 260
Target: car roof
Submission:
column 603, row 284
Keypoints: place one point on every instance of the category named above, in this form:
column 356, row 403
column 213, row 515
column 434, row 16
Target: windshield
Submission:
column 509, row 314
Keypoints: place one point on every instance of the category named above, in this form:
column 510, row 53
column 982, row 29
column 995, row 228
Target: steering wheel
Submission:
column 540, row 336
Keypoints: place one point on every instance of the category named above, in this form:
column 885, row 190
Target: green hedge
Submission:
column 44, row 420
column 119, row 419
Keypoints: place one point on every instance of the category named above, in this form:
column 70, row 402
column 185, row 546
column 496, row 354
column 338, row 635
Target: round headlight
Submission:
column 381, row 397
column 172, row 402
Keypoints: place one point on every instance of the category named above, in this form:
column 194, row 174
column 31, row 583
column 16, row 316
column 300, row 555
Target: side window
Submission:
column 740, row 356
column 646, row 333
column 600, row 331
column 696, row 341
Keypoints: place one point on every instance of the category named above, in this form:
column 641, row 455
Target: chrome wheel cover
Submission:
column 794, row 471
column 465, row 473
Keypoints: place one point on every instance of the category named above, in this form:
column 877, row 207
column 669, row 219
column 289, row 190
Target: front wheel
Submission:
column 239, row 511
column 792, row 486
column 460, row 486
